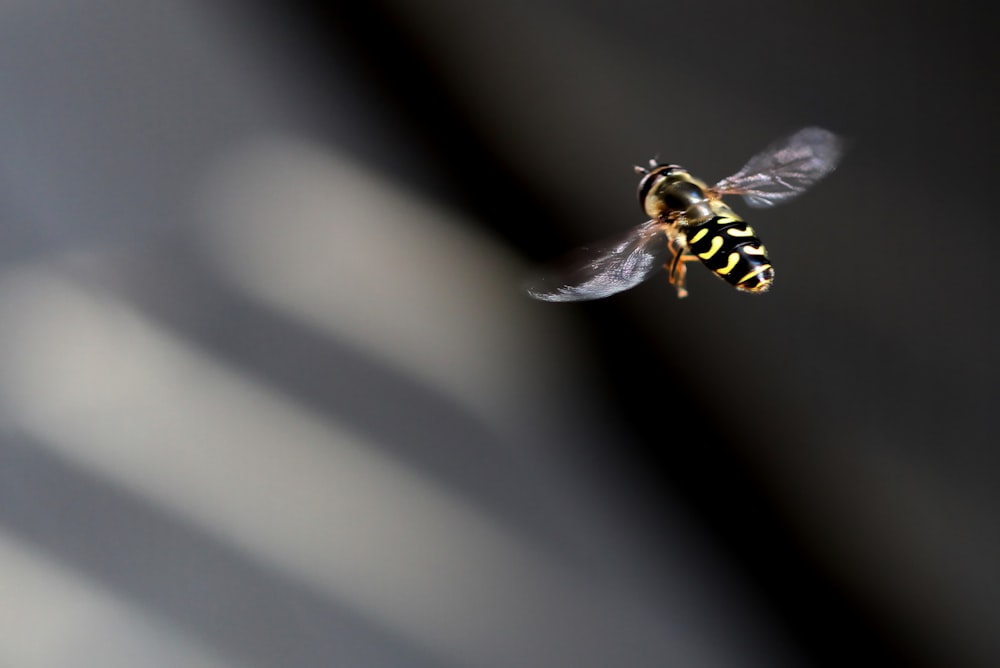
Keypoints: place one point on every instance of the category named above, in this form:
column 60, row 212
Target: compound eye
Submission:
column 651, row 177
column 646, row 184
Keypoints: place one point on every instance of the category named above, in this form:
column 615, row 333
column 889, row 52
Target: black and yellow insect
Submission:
column 689, row 221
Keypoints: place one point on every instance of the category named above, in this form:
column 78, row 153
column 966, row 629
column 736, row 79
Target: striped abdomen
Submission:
column 730, row 248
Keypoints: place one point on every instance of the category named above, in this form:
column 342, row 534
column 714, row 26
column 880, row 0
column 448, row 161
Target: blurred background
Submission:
column 270, row 394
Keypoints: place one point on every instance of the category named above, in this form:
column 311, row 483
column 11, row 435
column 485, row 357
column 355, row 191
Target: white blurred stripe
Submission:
column 53, row 617
column 110, row 391
column 324, row 241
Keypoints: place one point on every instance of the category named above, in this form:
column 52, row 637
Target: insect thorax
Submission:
column 669, row 189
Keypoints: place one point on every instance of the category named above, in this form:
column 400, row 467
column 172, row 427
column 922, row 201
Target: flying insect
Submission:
column 688, row 221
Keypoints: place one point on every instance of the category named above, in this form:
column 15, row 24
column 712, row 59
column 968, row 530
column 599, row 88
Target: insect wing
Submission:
column 603, row 270
column 785, row 169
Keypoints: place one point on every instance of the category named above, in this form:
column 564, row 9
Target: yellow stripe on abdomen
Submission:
column 716, row 245
column 759, row 270
column 734, row 258
column 698, row 236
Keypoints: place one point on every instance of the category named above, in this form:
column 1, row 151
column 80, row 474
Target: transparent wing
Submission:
column 604, row 269
column 785, row 169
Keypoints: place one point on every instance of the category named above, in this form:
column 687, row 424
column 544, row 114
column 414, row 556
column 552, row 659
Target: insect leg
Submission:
column 675, row 268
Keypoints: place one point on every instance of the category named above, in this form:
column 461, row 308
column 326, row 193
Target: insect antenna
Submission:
column 653, row 164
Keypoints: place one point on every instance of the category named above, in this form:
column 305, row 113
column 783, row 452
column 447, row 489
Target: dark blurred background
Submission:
column 270, row 395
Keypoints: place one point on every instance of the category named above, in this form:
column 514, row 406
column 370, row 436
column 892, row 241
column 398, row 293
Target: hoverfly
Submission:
column 689, row 221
